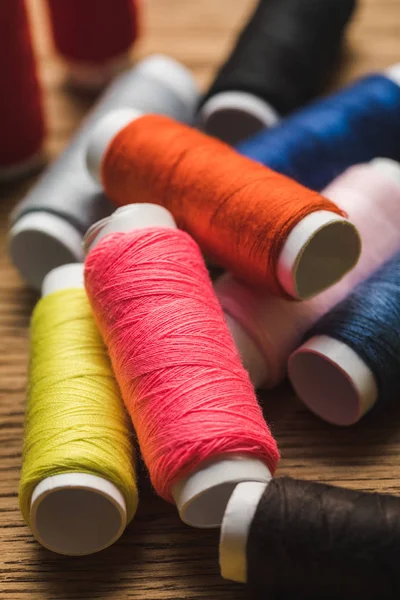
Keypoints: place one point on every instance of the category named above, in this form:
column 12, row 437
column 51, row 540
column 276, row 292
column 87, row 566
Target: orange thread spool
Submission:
column 241, row 213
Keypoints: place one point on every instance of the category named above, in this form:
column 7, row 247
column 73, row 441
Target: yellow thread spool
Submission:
column 78, row 487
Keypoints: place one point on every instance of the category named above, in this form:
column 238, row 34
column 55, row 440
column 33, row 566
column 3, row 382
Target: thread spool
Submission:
column 351, row 357
column 268, row 329
column 205, row 467
column 48, row 225
column 225, row 202
column 286, row 539
column 94, row 37
column 320, row 141
column 280, row 61
column 73, row 512
column 21, row 112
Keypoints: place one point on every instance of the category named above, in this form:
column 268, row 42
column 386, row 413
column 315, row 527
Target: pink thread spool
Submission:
column 63, row 506
column 201, row 496
column 267, row 329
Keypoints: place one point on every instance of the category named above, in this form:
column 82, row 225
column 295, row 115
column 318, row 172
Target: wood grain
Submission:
column 158, row 557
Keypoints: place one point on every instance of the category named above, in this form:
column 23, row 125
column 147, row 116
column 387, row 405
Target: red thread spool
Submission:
column 262, row 226
column 198, row 422
column 94, row 36
column 21, row 115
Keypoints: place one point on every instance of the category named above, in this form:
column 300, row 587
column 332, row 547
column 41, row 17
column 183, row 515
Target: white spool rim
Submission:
column 318, row 252
column 393, row 73
column 235, row 528
column 40, row 241
column 250, row 354
column 388, row 167
column 22, row 169
column 102, row 135
column 202, row 497
column 128, row 218
column 332, row 380
column 65, row 277
column 239, row 114
column 93, row 76
column 77, row 514
column 172, row 74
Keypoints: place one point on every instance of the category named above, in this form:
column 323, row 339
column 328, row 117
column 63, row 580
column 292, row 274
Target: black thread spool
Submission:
column 293, row 539
column 281, row 59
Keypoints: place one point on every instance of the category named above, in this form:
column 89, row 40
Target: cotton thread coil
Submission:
column 320, row 141
column 78, row 486
column 281, row 59
column 263, row 227
column 48, row 225
column 94, row 37
column 364, row 328
column 268, row 329
column 189, row 398
column 297, row 527
column 21, row 114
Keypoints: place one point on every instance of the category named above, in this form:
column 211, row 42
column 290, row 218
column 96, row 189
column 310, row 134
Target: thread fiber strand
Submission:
column 238, row 211
column 189, row 398
column 317, row 143
column 312, row 541
column 75, row 421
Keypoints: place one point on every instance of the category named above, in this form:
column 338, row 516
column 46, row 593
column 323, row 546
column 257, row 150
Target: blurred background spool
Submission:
column 262, row 226
column 193, row 459
column 94, row 37
column 298, row 539
column 78, row 488
column 48, row 225
column 281, row 59
column 268, row 329
column 21, row 112
column 317, row 143
column 351, row 358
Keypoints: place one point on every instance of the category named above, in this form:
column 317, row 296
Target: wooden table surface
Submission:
column 158, row 556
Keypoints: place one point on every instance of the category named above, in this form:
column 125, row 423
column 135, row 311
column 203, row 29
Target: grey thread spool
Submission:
column 47, row 227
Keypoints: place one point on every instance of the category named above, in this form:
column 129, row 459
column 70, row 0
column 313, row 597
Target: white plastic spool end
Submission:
column 393, row 73
column 173, row 75
column 75, row 513
column 102, row 135
column 332, row 380
column 52, row 240
column 202, row 497
column 318, row 252
column 233, row 116
column 235, row 528
column 250, row 354
column 388, row 167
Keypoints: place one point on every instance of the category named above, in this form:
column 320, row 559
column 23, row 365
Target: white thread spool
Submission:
column 329, row 376
column 272, row 310
column 202, row 496
column 233, row 116
column 75, row 513
column 235, row 528
column 318, row 251
column 48, row 225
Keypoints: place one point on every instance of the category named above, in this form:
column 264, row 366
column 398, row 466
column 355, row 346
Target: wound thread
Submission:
column 368, row 322
column 21, row 113
column 317, row 143
column 371, row 199
column 189, row 398
column 311, row 541
column 239, row 212
column 75, row 421
column 284, row 55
